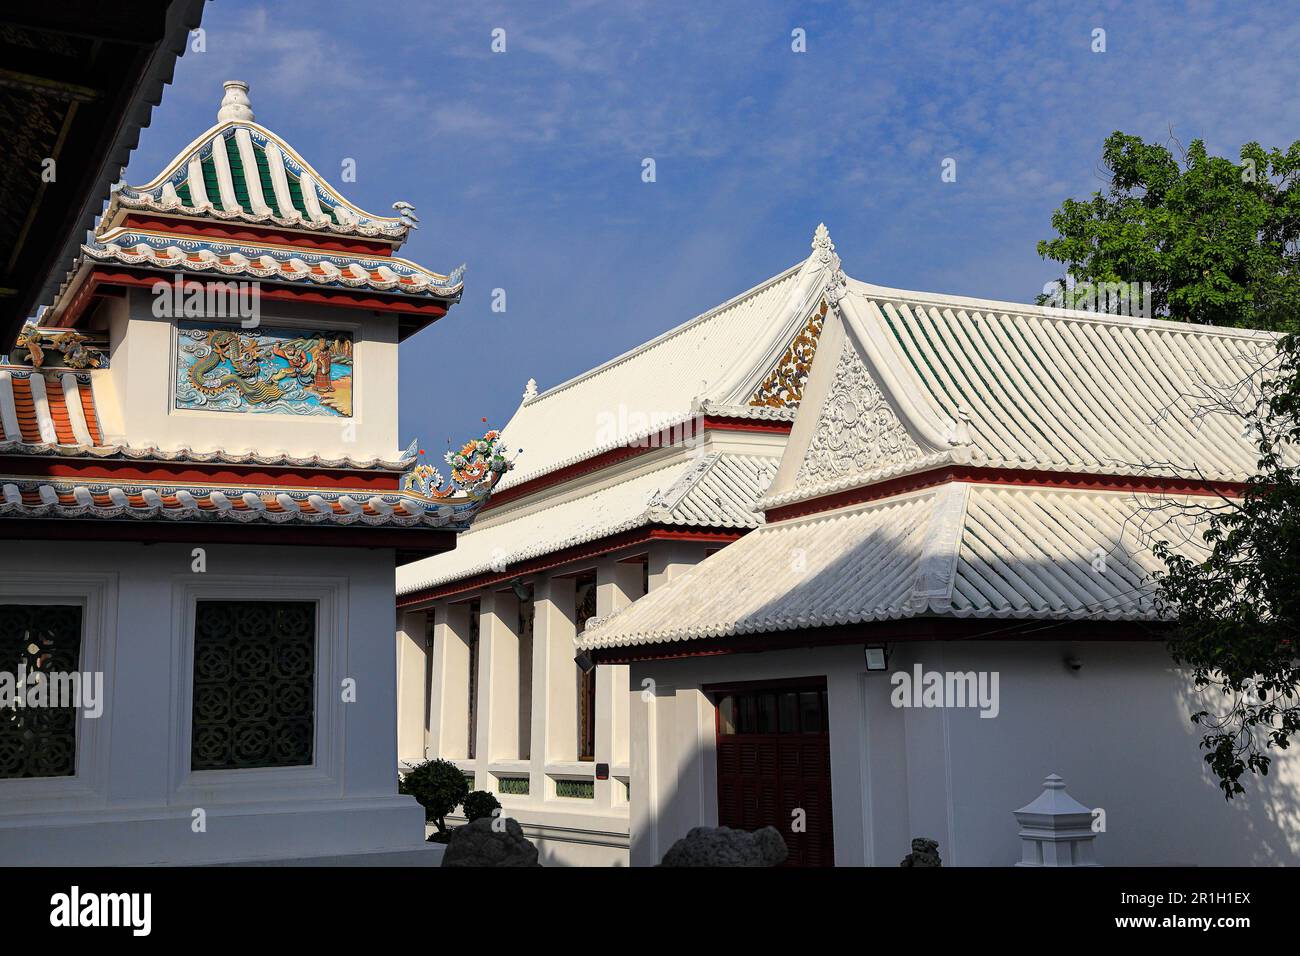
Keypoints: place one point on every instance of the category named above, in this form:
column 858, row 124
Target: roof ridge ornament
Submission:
column 822, row 245
column 530, row 390
column 235, row 104
column 837, row 286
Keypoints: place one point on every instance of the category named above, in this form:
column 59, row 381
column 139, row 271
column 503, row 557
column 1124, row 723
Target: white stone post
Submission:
column 412, row 689
column 1056, row 829
column 449, row 693
column 617, row 585
column 555, row 681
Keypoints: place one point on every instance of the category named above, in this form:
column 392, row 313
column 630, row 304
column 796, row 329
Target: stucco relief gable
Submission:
column 858, row 430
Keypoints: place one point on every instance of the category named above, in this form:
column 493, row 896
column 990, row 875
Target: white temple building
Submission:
column 629, row 475
column 950, row 598
column 761, row 524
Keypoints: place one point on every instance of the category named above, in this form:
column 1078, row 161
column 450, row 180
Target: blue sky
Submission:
column 527, row 164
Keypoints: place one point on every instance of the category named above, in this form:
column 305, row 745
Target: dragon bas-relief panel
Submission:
column 281, row 371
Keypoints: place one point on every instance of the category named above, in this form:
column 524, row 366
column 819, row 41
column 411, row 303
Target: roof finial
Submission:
column 530, row 391
column 235, row 105
column 822, row 246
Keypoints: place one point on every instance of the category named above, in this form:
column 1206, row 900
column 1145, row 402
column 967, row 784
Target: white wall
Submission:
column 1117, row 731
column 134, row 396
column 133, row 797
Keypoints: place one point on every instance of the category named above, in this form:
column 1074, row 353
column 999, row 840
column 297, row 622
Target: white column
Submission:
column 555, row 684
column 449, row 693
column 643, row 802
column 412, row 691
column 498, row 684
column 618, row 584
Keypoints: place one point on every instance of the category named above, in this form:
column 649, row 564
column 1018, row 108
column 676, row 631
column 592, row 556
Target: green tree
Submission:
column 1218, row 241
column 1219, row 244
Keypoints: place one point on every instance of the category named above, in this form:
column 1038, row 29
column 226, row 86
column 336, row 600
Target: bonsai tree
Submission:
column 439, row 786
column 480, row 803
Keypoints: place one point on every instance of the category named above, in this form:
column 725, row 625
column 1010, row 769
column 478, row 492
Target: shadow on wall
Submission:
column 1112, row 718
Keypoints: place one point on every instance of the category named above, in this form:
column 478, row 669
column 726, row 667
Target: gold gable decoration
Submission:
column 783, row 387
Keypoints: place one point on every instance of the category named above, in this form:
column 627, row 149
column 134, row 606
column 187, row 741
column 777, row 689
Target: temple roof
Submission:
column 961, row 458
column 240, row 203
column 239, row 170
column 50, row 416
column 746, row 353
column 1001, row 385
column 715, row 490
column 959, row 550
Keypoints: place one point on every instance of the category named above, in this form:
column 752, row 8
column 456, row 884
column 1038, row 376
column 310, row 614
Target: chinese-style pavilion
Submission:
column 201, row 484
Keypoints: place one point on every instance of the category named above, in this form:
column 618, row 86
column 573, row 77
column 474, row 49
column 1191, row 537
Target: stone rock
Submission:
column 477, row 844
column 925, row 852
column 723, row 846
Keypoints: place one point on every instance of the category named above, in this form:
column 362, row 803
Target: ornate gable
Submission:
column 783, row 387
column 858, row 430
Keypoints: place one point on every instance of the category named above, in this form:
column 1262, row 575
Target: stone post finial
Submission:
column 235, row 105
column 1056, row 829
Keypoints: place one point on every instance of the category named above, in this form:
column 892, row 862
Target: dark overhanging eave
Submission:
column 143, row 38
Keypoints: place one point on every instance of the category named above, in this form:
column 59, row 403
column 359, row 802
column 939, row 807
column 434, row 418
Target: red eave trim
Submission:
column 410, row 543
column 429, row 309
column 668, row 438
column 580, row 552
column 723, row 424
column 244, row 232
column 182, row 473
column 1021, row 477
column 886, row 632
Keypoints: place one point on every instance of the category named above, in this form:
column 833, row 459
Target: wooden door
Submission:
column 774, row 759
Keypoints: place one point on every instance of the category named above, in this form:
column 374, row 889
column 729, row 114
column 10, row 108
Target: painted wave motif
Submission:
column 264, row 370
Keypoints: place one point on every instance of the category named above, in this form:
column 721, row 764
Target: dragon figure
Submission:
column 71, row 344
column 244, row 359
column 475, row 470
column 30, row 339
column 76, row 353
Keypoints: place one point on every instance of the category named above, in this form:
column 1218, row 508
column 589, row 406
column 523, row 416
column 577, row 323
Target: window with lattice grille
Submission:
column 254, row 684
column 38, row 641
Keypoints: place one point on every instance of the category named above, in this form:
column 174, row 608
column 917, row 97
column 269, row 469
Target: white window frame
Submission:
column 96, row 595
column 325, row 773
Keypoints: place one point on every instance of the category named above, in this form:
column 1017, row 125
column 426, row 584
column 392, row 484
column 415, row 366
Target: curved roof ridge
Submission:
column 664, row 336
column 286, row 168
column 871, row 290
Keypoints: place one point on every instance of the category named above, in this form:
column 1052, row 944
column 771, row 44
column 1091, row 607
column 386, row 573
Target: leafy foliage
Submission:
column 480, row 803
column 437, row 785
column 1237, row 612
column 1218, row 241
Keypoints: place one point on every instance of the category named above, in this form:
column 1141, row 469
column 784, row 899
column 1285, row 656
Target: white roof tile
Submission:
column 719, row 357
column 715, row 490
column 961, row 550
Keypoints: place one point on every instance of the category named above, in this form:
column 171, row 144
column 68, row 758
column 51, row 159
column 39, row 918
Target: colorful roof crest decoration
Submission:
column 239, row 170
column 419, row 499
column 475, row 470
column 58, row 347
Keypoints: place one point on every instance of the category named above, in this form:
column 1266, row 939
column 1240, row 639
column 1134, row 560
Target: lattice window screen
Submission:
column 254, row 684
column 45, row 639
